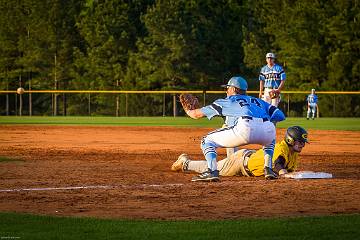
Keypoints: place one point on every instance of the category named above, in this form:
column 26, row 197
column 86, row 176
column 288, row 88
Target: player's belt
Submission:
column 251, row 118
column 244, row 163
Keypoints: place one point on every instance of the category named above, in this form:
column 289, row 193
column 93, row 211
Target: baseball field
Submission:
column 110, row 178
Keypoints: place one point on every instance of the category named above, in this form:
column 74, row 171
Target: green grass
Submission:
column 25, row 226
column 116, row 121
column 7, row 159
column 352, row 124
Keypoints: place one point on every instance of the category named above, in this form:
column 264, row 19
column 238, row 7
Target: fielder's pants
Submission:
column 311, row 111
column 246, row 131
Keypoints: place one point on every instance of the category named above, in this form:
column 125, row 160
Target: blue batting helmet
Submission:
column 237, row 82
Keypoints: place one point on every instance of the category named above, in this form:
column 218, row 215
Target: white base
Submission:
column 308, row 175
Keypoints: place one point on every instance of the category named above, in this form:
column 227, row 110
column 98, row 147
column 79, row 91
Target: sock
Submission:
column 211, row 160
column 268, row 154
column 210, row 154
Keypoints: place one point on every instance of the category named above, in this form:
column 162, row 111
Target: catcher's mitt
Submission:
column 274, row 94
column 189, row 102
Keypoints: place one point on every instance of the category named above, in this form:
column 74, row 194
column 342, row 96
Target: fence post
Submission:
column 7, row 104
column 20, row 104
column 288, row 105
column 55, row 87
column 117, row 99
column 204, row 98
column 30, row 99
column 89, row 104
column 64, row 104
column 52, row 104
column 7, row 96
column 117, row 105
column 126, row 104
column 16, row 107
column 164, row 104
column 174, row 105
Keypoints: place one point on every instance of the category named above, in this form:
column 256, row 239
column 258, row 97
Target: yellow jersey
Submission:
column 256, row 160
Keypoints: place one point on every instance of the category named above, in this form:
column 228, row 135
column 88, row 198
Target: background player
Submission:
column 248, row 122
column 312, row 106
column 272, row 79
column 250, row 162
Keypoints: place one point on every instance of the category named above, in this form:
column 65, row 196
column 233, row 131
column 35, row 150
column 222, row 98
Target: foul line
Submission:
column 91, row 187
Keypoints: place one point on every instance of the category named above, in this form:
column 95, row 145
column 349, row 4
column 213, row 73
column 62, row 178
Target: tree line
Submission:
column 177, row 44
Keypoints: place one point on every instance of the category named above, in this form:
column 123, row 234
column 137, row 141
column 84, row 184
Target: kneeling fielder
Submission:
column 250, row 162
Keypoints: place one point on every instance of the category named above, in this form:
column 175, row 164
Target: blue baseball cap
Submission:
column 237, row 82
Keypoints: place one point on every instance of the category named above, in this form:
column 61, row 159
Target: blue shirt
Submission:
column 312, row 99
column 272, row 76
column 236, row 106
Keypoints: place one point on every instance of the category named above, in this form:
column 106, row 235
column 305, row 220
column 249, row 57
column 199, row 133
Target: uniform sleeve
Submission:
column 261, row 75
column 290, row 159
column 292, row 168
column 291, row 163
column 282, row 155
column 212, row 110
column 276, row 115
column 282, row 74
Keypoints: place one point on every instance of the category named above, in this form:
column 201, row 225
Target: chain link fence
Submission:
column 157, row 103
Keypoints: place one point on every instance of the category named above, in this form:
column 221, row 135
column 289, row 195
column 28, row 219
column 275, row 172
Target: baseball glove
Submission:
column 274, row 94
column 189, row 102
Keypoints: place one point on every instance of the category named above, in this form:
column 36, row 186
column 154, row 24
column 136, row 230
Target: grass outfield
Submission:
column 25, row 226
column 352, row 124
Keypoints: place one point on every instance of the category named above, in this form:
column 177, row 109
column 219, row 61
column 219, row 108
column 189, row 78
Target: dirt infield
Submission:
column 124, row 172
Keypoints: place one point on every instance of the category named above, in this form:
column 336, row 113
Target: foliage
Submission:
column 316, row 41
column 184, row 47
column 176, row 44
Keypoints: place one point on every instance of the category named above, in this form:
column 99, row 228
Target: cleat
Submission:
column 269, row 174
column 181, row 163
column 208, row 176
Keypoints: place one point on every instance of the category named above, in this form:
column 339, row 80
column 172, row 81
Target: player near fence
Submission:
column 272, row 79
column 312, row 105
column 249, row 120
column 249, row 163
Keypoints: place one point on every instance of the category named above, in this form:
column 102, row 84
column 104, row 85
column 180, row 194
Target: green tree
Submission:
column 294, row 31
column 342, row 38
column 109, row 29
column 190, row 44
column 317, row 41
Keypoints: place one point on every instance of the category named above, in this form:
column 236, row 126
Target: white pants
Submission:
column 311, row 111
column 229, row 166
column 246, row 131
column 266, row 97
